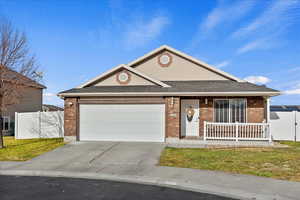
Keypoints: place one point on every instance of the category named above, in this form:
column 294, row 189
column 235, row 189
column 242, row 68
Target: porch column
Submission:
column 268, row 109
column 71, row 119
column 172, row 117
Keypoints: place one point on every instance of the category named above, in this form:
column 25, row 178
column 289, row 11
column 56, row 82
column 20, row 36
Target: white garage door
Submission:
column 122, row 122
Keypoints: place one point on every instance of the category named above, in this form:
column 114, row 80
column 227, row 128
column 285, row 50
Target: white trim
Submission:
column 170, row 94
column 127, row 68
column 268, row 110
column 187, row 57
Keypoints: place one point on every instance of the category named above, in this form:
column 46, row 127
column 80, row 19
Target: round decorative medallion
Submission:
column 123, row 77
column 164, row 59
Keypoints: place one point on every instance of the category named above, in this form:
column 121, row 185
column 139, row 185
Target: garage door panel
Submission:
column 134, row 122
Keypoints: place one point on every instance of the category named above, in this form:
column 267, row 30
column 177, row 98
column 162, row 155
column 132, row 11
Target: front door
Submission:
column 190, row 117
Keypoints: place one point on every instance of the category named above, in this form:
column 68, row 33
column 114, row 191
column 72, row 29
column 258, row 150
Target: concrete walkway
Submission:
column 137, row 162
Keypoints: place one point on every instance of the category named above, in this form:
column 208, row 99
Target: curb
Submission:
column 210, row 189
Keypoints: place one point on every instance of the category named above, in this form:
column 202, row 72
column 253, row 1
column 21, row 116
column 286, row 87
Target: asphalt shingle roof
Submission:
column 179, row 86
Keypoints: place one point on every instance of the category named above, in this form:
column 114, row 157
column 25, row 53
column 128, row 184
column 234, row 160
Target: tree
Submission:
column 15, row 57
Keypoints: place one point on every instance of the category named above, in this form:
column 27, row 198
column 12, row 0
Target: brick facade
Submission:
column 255, row 114
column 70, row 116
column 256, row 109
column 172, row 117
column 206, row 113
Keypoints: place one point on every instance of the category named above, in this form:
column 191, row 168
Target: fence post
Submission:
column 204, row 136
column 16, row 125
column 269, row 130
column 236, row 131
column 40, row 124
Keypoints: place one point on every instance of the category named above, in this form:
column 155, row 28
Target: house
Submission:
column 166, row 95
column 49, row 108
column 27, row 97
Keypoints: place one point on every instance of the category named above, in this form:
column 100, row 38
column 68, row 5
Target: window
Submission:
column 6, row 123
column 230, row 110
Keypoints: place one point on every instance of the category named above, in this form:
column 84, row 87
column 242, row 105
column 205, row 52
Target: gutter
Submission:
column 62, row 95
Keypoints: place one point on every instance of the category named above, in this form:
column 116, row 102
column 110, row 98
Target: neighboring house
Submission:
column 30, row 98
column 49, row 108
column 284, row 108
column 165, row 95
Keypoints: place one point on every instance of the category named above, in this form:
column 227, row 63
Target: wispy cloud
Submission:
column 295, row 69
column 276, row 17
column 294, row 91
column 223, row 13
column 141, row 32
column 49, row 94
column 257, row 79
column 255, row 44
column 222, row 64
column 226, row 13
column 265, row 31
column 52, row 98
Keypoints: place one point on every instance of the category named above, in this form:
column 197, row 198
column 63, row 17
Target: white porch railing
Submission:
column 237, row 131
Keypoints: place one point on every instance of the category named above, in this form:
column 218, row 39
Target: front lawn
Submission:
column 21, row 150
column 280, row 163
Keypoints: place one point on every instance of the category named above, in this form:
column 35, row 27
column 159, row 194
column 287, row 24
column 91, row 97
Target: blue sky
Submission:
column 76, row 40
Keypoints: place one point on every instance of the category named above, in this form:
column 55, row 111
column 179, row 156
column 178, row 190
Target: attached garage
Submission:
column 122, row 122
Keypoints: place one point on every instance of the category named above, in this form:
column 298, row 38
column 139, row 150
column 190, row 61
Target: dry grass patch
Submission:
column 280, row 163
column 21, row 150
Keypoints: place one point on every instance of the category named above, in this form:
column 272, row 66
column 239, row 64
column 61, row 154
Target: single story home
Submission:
column 166, row 95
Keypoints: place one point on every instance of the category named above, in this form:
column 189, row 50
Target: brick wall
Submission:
column 70, row 116
column 206, row 113
column 172, row 117
column 255, row 114
column 256, row 109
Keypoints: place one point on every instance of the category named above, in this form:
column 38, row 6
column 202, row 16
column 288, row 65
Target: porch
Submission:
column 242, row 121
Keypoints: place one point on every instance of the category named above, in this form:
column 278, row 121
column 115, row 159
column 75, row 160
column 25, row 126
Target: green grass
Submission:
column 21, row 150
column 280, row 163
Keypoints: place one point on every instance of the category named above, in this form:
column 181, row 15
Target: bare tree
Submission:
column 15, row 59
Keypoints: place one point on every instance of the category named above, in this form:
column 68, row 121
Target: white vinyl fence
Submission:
column 39, row 125
column 285, row 125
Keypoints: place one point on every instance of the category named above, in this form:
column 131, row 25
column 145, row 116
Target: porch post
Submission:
column 268, row 109
column 270, row 133
column 204, row 135
column 236, row 131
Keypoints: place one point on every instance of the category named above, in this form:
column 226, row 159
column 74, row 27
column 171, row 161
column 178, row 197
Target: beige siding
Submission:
column 112, row 80
column 180, row 69
column 31, row 101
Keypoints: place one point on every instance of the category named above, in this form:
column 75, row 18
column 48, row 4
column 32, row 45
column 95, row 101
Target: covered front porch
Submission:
column 218, row 120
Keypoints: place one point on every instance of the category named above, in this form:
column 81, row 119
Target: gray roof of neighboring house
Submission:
column 285, row 108
column 48, row 107
column 16, row 77
column 178, row 86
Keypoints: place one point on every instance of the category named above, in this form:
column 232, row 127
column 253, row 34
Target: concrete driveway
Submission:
column 109, row 157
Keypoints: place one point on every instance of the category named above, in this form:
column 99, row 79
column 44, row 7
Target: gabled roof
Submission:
column 15, row 77
column 179, row 88
column 190, row 58
column 109, row 72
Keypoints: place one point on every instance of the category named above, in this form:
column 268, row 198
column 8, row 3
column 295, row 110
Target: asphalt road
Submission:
column 46, row 188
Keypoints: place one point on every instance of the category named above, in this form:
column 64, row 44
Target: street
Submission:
column 46, row 188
